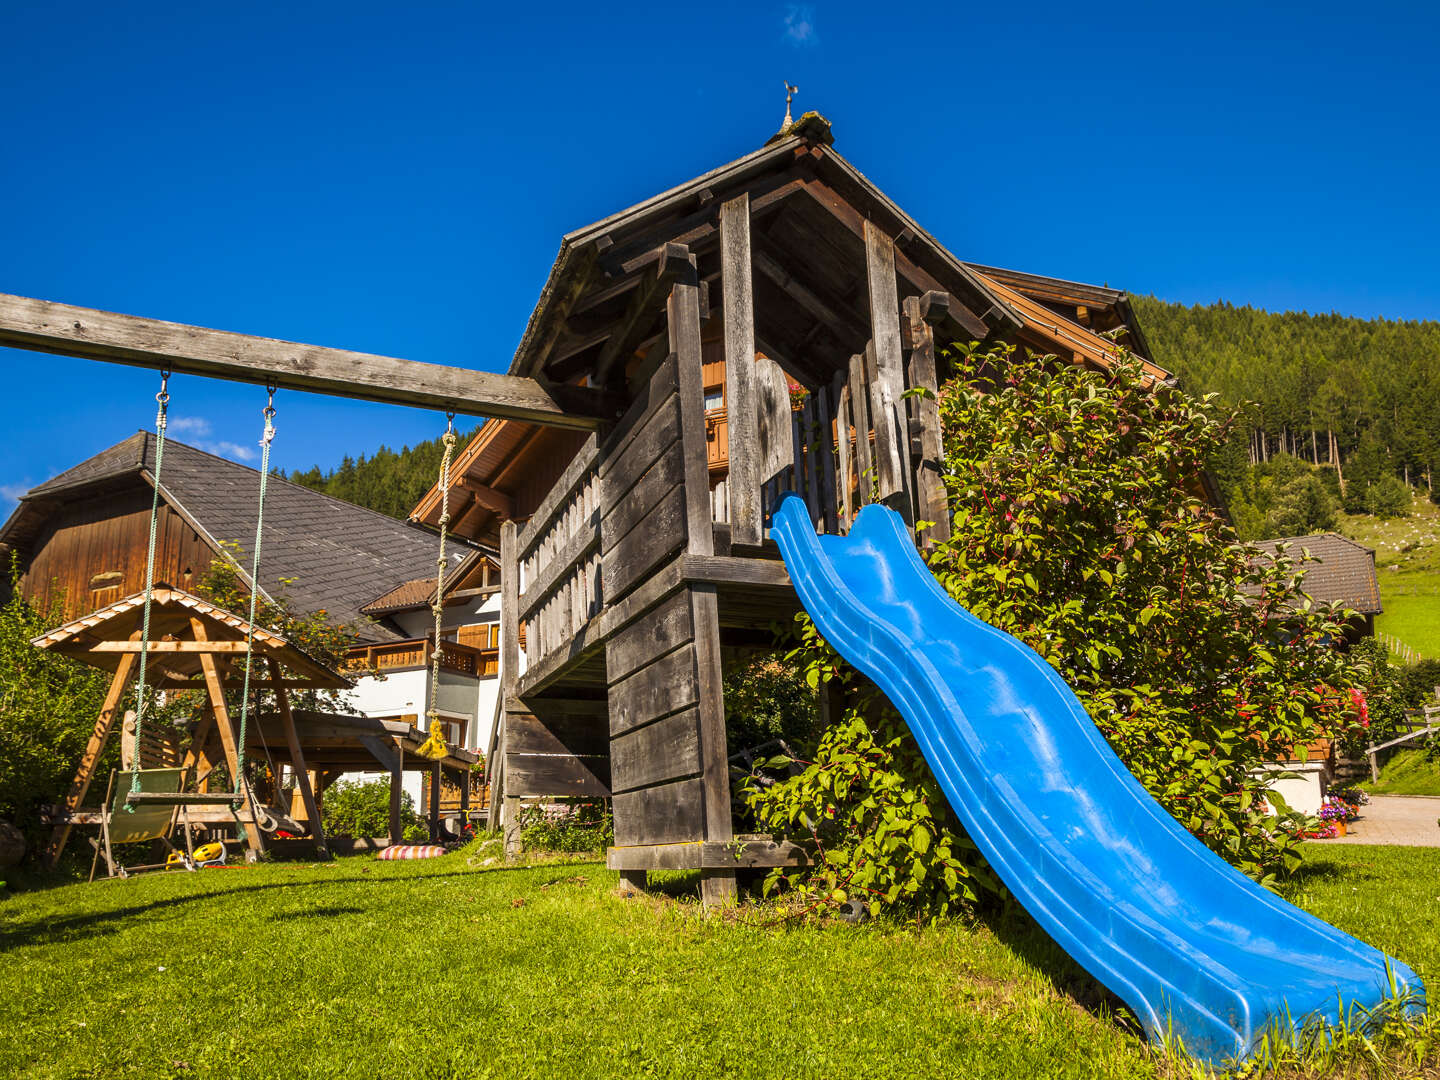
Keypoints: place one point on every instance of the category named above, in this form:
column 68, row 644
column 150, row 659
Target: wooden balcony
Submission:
column 410, row 655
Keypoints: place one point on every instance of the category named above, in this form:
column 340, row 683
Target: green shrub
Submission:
column 48, row 707
column 567, row 826
column 766, row 698
column 360, row 809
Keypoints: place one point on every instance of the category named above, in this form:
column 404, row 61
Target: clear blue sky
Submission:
column 396, row 178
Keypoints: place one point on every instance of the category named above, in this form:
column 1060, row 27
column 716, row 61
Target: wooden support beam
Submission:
column 887, row 388
column 674, row 264
column 158, row 647
column 737, row 291
column 397, row 788
column 509, row 679
column 45, row 326
column 433, row 810
column 93, row 748
column 297, row 763
column 487, row 496
column 253, row 837
column 860, row 410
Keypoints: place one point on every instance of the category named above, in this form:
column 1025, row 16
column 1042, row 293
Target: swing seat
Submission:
column 180, row 798
column 121, row 824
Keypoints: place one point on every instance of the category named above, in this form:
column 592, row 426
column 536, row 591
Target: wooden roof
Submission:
column 101, row 638
column 808, row 208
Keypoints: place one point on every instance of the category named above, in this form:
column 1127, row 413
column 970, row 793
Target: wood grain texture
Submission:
column 666, row 750
column 657, row 536
column 684, row 328
column 663, row 686
column 737, row 287
column 772, row 419
column 44, row 326
column 710, row 673
column 740, row 854
column 651, row 635
column 563, row 775
column 887, row 388
column 666, row 814
column 930, row 500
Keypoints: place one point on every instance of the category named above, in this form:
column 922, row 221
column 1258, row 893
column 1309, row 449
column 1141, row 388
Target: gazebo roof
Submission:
column 101, row 638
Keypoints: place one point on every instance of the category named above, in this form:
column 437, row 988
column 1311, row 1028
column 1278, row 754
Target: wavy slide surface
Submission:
column 1188, row 942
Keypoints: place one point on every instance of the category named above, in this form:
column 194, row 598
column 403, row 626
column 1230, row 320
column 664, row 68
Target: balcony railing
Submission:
column 415, row 653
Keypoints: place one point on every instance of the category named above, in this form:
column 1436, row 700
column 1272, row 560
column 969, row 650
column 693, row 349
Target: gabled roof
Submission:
column 170, row 613
column 808, row 208
column 319, row 551
column 1345, row 574
column 420, row 592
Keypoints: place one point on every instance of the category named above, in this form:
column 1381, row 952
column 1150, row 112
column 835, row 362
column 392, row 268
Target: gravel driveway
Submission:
column 1410, row 820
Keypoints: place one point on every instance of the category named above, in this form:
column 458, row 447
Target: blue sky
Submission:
column 396, row 178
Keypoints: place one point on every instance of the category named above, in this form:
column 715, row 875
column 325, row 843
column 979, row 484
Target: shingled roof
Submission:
column 1345, row 574
column 331, row 554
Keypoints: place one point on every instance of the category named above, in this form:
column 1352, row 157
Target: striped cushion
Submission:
column 410, row 851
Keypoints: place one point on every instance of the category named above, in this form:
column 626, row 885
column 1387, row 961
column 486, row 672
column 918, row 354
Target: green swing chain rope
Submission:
column 162, row 400
column 448, row 440
column 241, row 788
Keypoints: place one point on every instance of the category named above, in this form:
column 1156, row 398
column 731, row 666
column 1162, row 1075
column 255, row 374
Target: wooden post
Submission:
column 930, row 502
column 508, row 809
column 80, row 786
column 717, row 886
column 841, row 396
column 888, row 388
column 466, row 778
column 214, row 686
column 736, row 283
column 860, row 407
column 397, row 788
column 297, row 763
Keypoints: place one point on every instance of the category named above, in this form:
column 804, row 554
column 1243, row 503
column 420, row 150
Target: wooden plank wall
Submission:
column 94, row 551
column 670, row 774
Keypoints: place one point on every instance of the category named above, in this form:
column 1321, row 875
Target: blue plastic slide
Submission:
column 1189, row 943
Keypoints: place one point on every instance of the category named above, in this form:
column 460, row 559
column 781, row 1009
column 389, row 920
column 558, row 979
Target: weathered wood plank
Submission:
column 930, row 501
column 666, row 685
column 888, row 388
column 667, row 814
column 66, row 330
column 772, row 419
column 653, row 392
column 551, row 774
column 751, row 854
column 737, row 287
column 860, row 408
column 648, row 491
column 650, row 636
column 824, row 442
column 729, row 570
column 659, row 535
column 684, row 329
column 668, row 749
column 660, row 433
column 709, row 670
column 671, row 264
column 582, row 736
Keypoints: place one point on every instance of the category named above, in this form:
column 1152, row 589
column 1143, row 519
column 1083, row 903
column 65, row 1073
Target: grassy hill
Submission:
column 1407, row 557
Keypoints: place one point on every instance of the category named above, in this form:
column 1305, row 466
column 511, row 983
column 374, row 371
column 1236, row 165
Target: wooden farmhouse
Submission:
column 1343, row 574
column 81, row 538
column 752, row 331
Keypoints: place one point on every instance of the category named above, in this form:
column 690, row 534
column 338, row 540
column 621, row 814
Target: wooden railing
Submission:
column 558, row 556
column 415, row 653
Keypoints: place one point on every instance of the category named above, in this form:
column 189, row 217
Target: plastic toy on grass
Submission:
column 1200, row 952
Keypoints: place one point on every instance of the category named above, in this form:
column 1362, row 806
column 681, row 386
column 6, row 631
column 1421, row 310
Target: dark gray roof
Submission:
column 1345, row 574
column 331, row 554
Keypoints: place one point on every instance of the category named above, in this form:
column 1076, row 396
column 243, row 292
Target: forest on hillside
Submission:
column 1361, row 396
column 390, row 481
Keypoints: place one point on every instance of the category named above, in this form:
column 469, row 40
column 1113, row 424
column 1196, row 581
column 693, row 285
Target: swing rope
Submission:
column 434, row 747
column 241, row 788
column 162, row 400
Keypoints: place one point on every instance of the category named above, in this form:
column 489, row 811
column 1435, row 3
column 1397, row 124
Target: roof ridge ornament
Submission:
column 790, row 92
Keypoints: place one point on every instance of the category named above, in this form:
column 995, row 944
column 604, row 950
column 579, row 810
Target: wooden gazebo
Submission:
column 193, row 645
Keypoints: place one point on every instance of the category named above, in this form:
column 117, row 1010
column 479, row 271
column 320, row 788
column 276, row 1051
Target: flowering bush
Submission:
column 1333, row 809
column 1353, row 795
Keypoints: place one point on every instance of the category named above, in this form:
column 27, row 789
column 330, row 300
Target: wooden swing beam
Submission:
column 45, row 326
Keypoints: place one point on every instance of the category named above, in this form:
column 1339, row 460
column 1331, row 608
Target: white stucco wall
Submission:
column 1305, row 793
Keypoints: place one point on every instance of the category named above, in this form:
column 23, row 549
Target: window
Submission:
column 714, row 398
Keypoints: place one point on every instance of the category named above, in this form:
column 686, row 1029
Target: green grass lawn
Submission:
column 1407, row 559
column 439, row 969
column 1408, row 772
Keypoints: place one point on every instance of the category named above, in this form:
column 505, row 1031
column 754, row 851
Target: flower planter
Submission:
column 1340, row 828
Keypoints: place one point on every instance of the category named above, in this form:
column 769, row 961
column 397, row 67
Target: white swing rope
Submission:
column 162, row 400
column 267, row 437
column 434, row 747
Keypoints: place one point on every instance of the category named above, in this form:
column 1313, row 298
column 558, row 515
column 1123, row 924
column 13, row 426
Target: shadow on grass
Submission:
column 50, row 930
